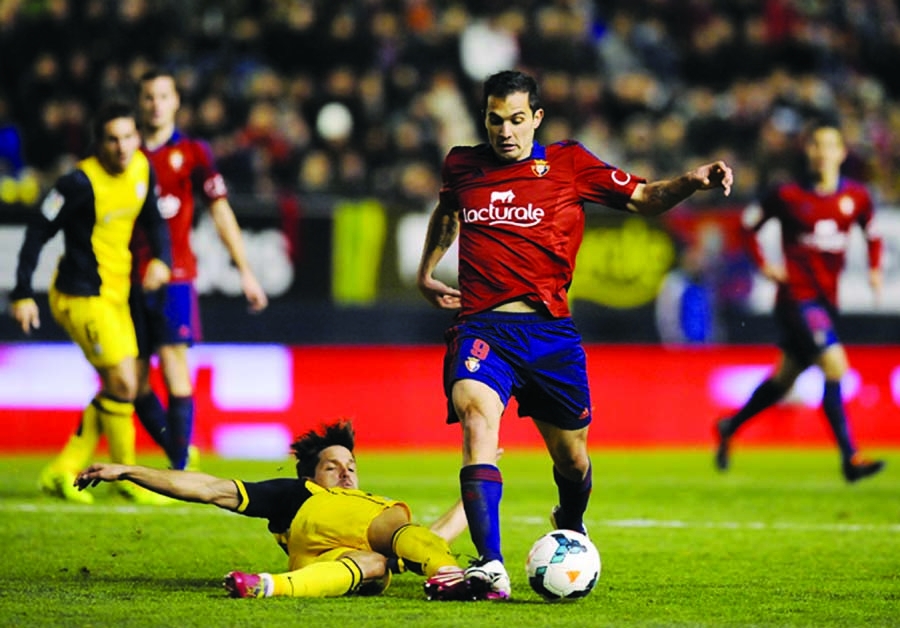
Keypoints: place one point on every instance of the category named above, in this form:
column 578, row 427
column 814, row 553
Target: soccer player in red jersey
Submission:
column 517, row 207
column 167, row 322
column 816, row 215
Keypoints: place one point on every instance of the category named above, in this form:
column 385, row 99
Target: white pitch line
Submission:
column 732, row 525
column 197, row 510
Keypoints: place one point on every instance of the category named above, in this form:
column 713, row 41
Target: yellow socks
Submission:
column 117, row 420
column 422, row 550
column 327, row 579
column 79, row 449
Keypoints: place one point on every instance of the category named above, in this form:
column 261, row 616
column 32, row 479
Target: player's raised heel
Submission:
column 488, row 580
column 557, row 523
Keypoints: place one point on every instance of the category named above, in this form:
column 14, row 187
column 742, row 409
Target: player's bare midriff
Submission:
column 519, row 306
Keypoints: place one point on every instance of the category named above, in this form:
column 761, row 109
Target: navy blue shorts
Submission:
column 539, row 361
column 807, row 329
column 167, row 316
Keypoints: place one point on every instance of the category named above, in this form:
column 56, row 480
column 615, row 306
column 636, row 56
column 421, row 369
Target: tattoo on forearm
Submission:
column 447, row 233
column 666, row 194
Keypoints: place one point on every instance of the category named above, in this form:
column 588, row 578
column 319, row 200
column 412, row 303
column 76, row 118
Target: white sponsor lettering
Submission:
column 505, row 213
column 826, row 236
column 527, row 216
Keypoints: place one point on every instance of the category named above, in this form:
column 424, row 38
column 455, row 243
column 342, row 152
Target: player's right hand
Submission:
column 156, row 276
column 440, row 294
column 25, row 311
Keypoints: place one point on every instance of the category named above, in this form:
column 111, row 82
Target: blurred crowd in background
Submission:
column 365, row 97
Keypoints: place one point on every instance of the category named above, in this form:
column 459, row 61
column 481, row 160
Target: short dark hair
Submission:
column 507, row 82
column 155, row 73
column 110, row 110
column 308, row 446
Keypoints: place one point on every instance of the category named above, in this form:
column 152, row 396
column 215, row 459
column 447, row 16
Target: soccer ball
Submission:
column 563, row 564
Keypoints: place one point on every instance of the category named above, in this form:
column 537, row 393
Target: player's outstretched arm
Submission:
column 187, row 486
column 655, row 198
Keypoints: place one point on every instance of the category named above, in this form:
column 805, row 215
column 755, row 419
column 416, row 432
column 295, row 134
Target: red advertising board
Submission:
column 252, row 399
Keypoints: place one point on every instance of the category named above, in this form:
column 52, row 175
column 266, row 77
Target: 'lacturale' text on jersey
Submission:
column 815, row 232
column 521, row 223
column 96, row 212
column 183, row 166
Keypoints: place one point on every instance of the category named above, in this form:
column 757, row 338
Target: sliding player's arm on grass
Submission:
column 188, row 486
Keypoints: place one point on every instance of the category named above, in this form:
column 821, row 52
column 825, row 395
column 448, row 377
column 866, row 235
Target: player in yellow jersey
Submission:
column 96, row 207
column 338, row 539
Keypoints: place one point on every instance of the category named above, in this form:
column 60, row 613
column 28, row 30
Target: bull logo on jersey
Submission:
column 502, row 210
column 502, row 197
column 540, row 167
column 176, row 160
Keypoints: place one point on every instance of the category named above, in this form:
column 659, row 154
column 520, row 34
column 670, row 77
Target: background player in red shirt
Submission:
column 816, row 214
column 517, row 207
column 167, row 323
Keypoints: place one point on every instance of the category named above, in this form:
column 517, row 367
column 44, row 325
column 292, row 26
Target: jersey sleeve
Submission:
column 70, row 193
column 447, row 195
column 206, row 176
column 599, row 182
column 154, row 225
column 276, row 500
column 753, row 218
column 868, row 222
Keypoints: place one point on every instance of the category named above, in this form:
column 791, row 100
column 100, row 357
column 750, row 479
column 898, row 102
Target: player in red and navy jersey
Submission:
column 816, row 215
column 167, row 322
column 517, row 207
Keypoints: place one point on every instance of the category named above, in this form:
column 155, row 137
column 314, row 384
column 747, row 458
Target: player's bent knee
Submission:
column 385, row 525
column 372, row 564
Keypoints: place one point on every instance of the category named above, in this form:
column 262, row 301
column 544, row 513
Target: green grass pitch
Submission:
column 781, row 540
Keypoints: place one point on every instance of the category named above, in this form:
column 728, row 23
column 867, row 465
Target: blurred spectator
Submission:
column 12, row 154
column 654, row 81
